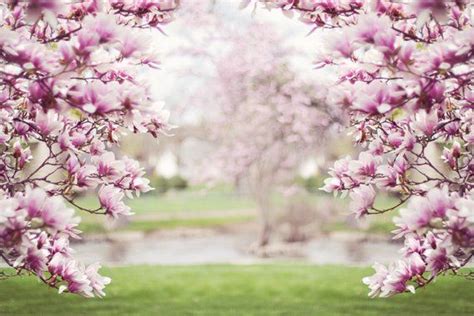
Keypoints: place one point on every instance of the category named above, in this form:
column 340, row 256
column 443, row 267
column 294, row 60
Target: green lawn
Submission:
column 182, row 201
column 281, row 289
column 153, row 225
column 191, row 201
column 194, row 202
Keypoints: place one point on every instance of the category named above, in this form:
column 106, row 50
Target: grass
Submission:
column 153, row 225
column 280, row 289
column 191, row 201
column 223, row 198
column 181, row 201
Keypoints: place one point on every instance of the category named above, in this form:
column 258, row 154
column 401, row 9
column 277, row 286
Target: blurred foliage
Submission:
column 177, row 183
column 311, row 184
column 160, row 184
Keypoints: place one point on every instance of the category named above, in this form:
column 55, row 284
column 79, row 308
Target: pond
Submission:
column 221, row 248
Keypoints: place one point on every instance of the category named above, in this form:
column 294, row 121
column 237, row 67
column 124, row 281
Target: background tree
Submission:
column 69, row 89
column 268, row 120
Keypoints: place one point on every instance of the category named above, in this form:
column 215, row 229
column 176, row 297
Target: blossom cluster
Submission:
column 405, row 77
column 69, row 90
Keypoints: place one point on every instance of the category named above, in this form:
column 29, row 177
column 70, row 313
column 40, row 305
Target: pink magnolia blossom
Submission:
column 363, row 198
column 36, row 259
column 97, row 281
column 111, row 200
column 47, row 122
column 425, row 122
column 376, row 281
column 404, row 75
column 64, row 66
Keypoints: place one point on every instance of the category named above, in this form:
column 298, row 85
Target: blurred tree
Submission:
column 268, row 120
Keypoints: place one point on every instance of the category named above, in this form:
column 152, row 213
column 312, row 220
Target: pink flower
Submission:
column 41, row 5
column 97, row 148
column 33, row 202
column 416, row 215
column 413, row 244
column 395, row 139
column 341, row 167
column 57, row 263
column 74, row 276
column 67, row 53
column 7, row 210
column 23, row 155
column 73, row 164
column 95, row 98
column 451, row 156
column 130, row 45
column 140, row 185
column 363, row 198
column 425, row 122
column 36, row 259
column 48, row 122
column 84, row 177
column 438, row 259
column 60, row 246
column 344, row 44
column 400, row 165
column 366, row 165
column 332, row 185
column 108, row 166
column 97, row 282
column 57, row 216
column 377, row 98
column 386, row 41
column 439, row 201
column 416, row 264
column 376, row 148
column 64, row 141
column 388, row 178
column 103, row 25
column 422, row 210
column 21, row 128
column 50, row 210
column 111, row 200
column 71, row 85
column 409, row 142
column 466, row 209
column 452, row 128
column 78, row 139
column 437, row 7
column 397, row 279
column 405, row 54
column 376, row 281
column 86, row 40
column 370, row 25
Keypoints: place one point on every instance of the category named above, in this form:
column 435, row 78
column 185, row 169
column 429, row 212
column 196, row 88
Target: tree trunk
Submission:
column 265, row 233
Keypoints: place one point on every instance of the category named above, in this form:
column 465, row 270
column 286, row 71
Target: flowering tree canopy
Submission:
column 269, row 119
column 406, row 78
column 68, row 91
